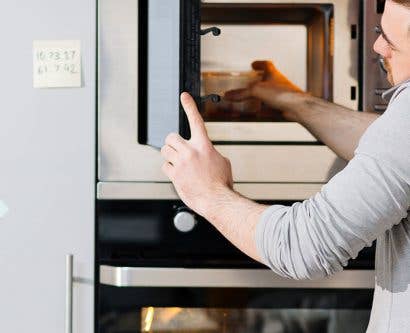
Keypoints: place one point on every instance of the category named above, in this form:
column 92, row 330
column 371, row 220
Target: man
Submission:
column 369, row 199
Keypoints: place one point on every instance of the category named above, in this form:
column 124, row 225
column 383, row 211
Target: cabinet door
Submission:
column 47, row 159
column 169, row 63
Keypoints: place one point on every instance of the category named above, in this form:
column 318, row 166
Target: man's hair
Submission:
column 403, row 2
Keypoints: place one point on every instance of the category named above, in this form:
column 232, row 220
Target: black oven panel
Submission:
column 163, row 234
column 167, row 234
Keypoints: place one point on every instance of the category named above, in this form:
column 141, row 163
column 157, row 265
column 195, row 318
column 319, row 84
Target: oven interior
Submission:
column 239, row 310
column 297, row 38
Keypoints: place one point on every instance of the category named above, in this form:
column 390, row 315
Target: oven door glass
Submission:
column 216, row 320
column 239, row 310
column 168, row 61
column 297, row 39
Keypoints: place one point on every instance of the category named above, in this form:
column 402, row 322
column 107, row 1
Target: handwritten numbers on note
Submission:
column 56, row 64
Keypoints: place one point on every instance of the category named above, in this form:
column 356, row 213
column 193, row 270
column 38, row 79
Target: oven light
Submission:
column 169, row 314
column 148, row 319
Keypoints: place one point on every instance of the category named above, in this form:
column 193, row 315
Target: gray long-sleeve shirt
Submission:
column 367, row 200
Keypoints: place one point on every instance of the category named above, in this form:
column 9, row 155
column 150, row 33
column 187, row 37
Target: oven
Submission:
column 162, row 268
column 150, row 51
column 160, row 275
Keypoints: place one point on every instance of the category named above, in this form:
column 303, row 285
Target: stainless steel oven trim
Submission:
column 258, row 132
column 250, row 164
column 166, row 191
column 227, row 278
column 122, row 159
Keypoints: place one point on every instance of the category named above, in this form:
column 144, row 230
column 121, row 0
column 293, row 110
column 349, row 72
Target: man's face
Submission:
column 393, row 43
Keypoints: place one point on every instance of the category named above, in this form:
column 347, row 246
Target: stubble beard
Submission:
column 389, row 72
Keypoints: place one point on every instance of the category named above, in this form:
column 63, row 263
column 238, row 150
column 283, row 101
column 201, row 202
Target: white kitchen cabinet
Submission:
column 47, row 171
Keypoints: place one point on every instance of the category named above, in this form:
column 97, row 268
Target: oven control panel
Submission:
column 165, row 233
column 184, row 220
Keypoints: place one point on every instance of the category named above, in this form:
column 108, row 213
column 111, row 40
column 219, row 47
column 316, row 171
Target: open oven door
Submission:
column 169, row 63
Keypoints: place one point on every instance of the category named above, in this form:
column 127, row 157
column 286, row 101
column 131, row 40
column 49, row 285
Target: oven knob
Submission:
column 184, row 221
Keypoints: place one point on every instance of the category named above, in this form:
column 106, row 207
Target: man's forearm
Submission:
column 336, row 126
column 236, row 218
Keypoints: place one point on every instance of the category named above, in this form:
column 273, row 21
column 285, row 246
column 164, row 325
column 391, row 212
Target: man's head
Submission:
column 393, row 43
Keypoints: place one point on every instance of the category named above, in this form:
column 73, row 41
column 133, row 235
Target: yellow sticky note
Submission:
column 56, row 63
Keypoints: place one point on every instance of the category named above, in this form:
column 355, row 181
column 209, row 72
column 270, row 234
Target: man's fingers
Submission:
column 238, row 95
column 267, row 67
column 196, row 123
column 175, row 141
column 263, row 65
column 169, row 154
column 271, row 73
column 260, row 90
column 168, row 169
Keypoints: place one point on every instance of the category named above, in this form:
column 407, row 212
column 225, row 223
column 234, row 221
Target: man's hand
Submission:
column 336, row 126
column 203, row 180
column 194, row 166
column 275, row 90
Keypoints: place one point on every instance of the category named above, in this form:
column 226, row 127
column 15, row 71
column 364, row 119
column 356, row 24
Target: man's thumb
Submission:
column 238, row 95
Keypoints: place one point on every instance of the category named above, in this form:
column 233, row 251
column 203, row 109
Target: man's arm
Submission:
column 316, row 238
column 311, row 239
column 236, row 217
column 336, row 126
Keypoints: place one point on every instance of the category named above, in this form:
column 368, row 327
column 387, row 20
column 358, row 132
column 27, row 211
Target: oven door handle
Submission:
column 227, row 278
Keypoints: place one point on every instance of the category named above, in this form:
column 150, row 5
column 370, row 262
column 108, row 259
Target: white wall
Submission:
column 46, row 170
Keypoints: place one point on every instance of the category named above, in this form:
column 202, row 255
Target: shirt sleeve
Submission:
column 315, row 238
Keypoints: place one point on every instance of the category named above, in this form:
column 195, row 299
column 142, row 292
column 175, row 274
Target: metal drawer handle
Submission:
column 226, row 278
column 69, row 294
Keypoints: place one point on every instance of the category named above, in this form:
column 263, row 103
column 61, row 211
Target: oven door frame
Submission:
column 227, row 278
column 289, row 154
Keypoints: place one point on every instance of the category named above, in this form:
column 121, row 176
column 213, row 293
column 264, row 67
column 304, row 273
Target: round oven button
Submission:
column 184, row 221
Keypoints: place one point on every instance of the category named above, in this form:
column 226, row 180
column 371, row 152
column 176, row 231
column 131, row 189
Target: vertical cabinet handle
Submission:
column 69, row 294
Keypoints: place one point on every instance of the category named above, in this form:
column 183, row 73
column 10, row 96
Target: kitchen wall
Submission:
column 47, row 154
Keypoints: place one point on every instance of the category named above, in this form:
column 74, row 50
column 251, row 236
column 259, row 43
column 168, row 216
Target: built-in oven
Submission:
column 151, row 50
column 161, row 267
column 161, row 273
